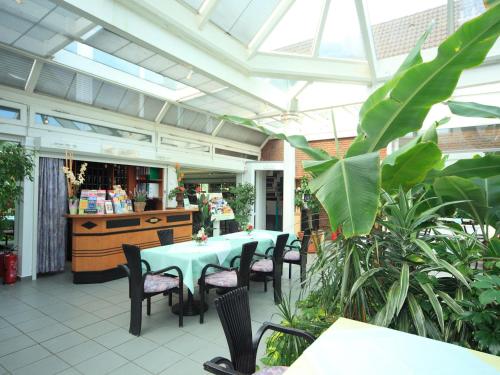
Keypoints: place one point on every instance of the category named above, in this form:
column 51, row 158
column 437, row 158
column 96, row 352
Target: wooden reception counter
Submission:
column 97, row 239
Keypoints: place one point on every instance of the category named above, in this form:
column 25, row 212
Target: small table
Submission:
column 352, row 347
column 191, row 257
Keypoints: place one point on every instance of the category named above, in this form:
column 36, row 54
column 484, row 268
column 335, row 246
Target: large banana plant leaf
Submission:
column 297, row 141
column 482, row 167
column 491, row 188
column 471, row 109
column 349, row 192
column 453, row 188
column 409, row 166
column 426, row 84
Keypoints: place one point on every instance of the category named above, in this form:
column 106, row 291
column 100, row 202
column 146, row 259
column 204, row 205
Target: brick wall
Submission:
column 273, row 150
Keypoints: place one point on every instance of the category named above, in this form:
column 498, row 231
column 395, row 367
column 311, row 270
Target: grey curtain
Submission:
column 52, row 205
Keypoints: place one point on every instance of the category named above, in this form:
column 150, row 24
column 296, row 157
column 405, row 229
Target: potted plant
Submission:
column 241, row 199
column 306, row 201
column 16, row 164
column 139, row 198
column 178, row 193
column 74, row 182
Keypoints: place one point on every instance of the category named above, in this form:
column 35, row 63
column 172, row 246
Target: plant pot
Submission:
column 179, row 197
column 139, row 206
column 316, row 237
column 73, row 206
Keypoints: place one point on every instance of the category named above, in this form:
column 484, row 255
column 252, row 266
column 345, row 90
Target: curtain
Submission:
column 52, row 205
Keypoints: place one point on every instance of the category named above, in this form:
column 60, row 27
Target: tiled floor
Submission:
column 52, row 326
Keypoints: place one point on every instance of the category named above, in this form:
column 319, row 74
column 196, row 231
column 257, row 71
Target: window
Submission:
column 91, row 128
column 241, row 155
column 10, row 113
column 184, row 145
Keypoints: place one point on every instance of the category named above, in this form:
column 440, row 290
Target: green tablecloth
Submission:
column 191, row 257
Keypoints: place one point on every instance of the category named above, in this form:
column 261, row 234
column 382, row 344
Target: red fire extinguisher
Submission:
column 10, row 268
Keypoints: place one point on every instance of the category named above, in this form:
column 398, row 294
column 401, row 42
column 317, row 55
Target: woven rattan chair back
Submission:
column 133, row 255
column 166, row 237
column 247, row 253
column 233, row 309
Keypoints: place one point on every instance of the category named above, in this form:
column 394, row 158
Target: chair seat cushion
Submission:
column 275, row 370
column 292, row 255
column 226, row 279
column 159, row 283
column 264, row 265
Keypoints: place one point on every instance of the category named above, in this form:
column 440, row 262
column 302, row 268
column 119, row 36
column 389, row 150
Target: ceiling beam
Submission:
column 306, row 68
column 321, row 27
column 206, row 11
column 163, row 111
column 32, row 79
column 450, row 16
column 366, row 33
column 268, row 26
column 217, row 128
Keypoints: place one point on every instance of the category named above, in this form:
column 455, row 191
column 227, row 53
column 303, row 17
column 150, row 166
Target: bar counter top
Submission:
column 129, row 214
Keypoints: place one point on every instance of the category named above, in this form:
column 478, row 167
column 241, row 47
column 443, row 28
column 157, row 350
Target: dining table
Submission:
column 352, row 347
column 191, row 257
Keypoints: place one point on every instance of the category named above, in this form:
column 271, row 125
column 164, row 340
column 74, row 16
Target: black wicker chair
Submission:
column 271, row 267
column 144, row 286
column 227, row 278
column 296, row 253
column 234, row 313
column 166, row 237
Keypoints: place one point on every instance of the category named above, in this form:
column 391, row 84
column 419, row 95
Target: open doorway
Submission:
column 274, row 200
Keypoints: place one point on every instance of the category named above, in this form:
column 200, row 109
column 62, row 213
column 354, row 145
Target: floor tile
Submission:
column 158, row 360
column 186, row 344
column 110, row 311
column 97, row 329
column 23, row 357
column 102, row 364
column 130, row 369
column 95, row 304
column 185, row 367
column 47, row 366
column 33, row 325
column 135, row 348
column 63, row 342
column 114, row 338
column 82, row 352
column 9, row 332
column 15, row 344
column 82, row 320
column 23, row 316
column 47, row 333
column 207, row 352
column 69, row 371
column 162, row 335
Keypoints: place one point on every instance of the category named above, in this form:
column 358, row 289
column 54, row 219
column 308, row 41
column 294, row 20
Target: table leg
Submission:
column 191, row 306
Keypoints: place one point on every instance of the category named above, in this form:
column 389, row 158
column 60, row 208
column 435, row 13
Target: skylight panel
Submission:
column 342, row 35
column 296, row 31
column 122, row 65
column 242, row 19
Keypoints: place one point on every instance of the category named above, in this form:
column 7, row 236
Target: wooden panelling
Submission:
column 97, row 239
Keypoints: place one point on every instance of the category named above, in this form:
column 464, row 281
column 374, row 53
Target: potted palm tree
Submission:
column 306, row 201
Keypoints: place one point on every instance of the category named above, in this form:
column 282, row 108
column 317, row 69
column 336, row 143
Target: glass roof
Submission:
column 261, row 59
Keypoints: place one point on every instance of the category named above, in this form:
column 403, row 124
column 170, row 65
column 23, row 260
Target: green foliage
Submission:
column 205, row 215
column 16, row 164
column 484, row 312
column 241, row 200
column 470, row 109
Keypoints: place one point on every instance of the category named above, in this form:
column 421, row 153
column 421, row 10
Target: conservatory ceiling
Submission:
column 186, row 62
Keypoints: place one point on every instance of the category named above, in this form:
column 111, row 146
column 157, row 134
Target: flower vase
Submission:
column 179, row 197
column 73, row 206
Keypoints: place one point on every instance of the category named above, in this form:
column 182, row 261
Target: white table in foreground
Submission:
column 351, row 347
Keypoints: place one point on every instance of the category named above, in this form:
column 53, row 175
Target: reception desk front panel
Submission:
column 97, row 239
